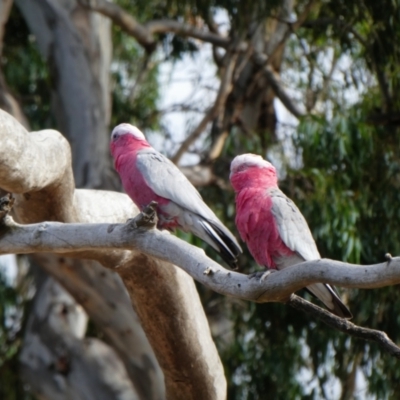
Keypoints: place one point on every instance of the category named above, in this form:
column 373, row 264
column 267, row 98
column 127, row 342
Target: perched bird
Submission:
column 274, row 229
column 147, row 175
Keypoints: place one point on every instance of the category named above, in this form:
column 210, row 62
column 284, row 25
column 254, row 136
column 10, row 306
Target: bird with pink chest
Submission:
column 273, row 228
column 147, row 176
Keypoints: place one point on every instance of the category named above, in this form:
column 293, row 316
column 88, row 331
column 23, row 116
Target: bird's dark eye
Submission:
column 241, row 168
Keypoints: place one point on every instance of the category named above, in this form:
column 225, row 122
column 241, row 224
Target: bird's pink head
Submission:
column 127, row 137
column 252, row 170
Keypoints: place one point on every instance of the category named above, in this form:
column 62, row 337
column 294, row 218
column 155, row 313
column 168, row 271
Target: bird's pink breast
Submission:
column 256, row 223
column 133, row 182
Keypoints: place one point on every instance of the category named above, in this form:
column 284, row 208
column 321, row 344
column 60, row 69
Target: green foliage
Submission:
column 132, row 102
column 265, row 357
column 352, row 172
column 26, row 73
column 349, row 192
column 11, row 309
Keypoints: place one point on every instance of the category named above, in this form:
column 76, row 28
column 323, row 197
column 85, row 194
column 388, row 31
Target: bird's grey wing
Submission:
column 292, row 226
column 166, row 180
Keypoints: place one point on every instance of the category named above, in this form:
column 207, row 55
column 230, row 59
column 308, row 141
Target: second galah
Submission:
column 274, row 229
column 147, row 175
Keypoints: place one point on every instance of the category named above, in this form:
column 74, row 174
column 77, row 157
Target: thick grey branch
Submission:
column 77, row 45
column 75, row 238
column 19, row 149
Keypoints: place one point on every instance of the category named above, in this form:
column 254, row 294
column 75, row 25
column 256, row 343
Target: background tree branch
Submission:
column 144, row 33
column 345, row 326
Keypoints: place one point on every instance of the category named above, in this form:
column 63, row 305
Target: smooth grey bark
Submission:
column 104, row 297
column 77, row 47
column 57, row 360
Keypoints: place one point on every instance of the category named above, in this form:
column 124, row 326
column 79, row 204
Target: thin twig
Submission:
column 276, row 85
column 345, row 326
column 144, row 32
column 224, row 90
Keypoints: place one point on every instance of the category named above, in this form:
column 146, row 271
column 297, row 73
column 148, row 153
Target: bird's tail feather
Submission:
column 328, row 295
column 222, row 242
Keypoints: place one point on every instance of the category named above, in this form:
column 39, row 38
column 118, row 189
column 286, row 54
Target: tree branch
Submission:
column 123, row 19
column 280, row 92
column 73, row 239
column 287, row 28
column 224, row 90
column 144, row 33
column 77, row 47
column 199, row 175
column 172, row 26
column 345, row 326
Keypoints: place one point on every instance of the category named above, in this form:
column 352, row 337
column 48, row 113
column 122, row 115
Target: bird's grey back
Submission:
column 167, row 181
column 292, row 226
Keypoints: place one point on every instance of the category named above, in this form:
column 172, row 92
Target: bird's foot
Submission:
column 235, row 266
column 147, row 218
column 261, row 275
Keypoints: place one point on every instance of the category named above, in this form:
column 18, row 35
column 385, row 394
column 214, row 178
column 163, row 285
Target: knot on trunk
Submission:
column 6, row 204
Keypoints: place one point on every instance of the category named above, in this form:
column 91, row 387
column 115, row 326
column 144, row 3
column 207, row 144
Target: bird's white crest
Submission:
column 127, row 129
column 249, row 160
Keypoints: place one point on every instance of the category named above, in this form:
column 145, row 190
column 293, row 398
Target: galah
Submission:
column 274, row 229
column 147, row 175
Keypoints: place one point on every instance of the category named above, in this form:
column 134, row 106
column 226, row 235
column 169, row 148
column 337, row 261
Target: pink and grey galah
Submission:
column 274, row 229
column 147, row 176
